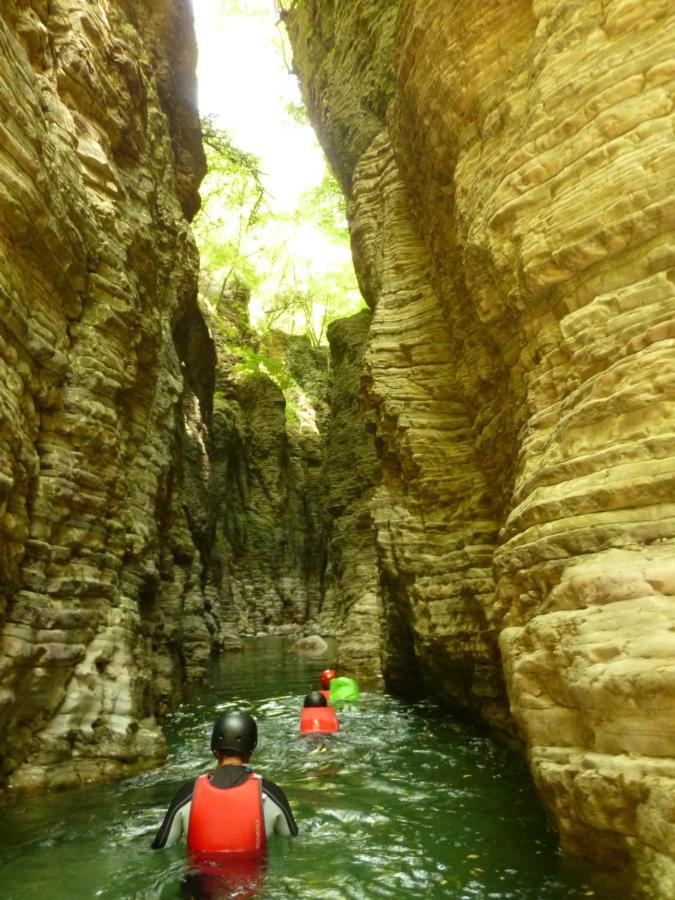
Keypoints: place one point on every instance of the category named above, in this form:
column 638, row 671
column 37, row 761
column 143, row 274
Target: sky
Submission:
column 245, row 84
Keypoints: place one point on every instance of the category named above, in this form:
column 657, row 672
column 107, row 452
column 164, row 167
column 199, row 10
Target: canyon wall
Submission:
column 510, row 171
column 352, row 599
column 103, row 611
column 269, row 421
column 293, row 471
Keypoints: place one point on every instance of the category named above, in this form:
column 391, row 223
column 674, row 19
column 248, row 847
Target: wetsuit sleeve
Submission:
column 278, row 816
column 176, row 819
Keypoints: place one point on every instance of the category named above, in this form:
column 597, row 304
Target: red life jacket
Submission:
column 326, row 694
column 228, row 820
column 319, row 719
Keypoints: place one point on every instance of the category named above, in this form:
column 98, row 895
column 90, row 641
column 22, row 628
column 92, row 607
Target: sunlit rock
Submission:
column 352, row 601
column 510, row 171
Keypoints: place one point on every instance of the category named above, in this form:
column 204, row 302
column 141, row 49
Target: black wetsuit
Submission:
column 277, row 813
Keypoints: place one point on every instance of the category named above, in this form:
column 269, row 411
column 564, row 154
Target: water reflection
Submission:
column 218, row 878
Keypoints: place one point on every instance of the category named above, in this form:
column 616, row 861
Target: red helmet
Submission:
column 326, row 677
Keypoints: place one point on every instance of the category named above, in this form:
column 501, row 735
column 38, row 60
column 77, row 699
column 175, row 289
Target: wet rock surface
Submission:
column 510, row 171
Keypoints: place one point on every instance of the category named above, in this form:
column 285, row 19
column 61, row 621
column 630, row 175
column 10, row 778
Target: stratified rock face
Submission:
column 352, row 602
column 435, row 519
column 293, row 471
column 266, row 481
column 512, row 222
column 433, row 513
column 99, row 575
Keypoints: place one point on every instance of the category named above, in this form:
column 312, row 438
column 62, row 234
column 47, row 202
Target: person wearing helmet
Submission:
column 232, row 809
column 326, row 677
column 315, row 698
column 317, row 716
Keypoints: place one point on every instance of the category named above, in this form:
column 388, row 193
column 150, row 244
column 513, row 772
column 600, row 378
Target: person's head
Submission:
column 326, row 677
column 316, row 698
column 234, row 736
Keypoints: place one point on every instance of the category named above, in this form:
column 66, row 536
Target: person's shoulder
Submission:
column 274, row 793
column 184, row 792
column 273, row 790
column 266, row 783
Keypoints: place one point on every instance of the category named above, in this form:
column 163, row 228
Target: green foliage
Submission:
column 326, row 207
column 284, row 262
column 244, row 7
column 295, row 263
column 308, row 302
column 255, row 362
column 227, row 158
column 297, row 113
column 291, row 412
column 233, row 206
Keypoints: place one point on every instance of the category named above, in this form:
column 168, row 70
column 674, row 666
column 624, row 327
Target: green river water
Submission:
column 404, row 802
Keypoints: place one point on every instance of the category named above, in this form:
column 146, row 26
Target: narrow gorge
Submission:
column 468, row 487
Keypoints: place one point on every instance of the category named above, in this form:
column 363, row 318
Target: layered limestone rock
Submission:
column 270, row 414
column 102, row 609
column 510, row 168
column 436, row 525
column 352, row 603
column 293, row 470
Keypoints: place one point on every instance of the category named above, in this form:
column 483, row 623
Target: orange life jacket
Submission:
column 319, row 719
column 228, row 820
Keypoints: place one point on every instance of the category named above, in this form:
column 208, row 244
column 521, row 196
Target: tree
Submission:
column 233, row 206
column 295, row 264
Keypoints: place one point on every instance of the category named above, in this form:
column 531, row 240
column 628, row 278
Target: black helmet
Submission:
column 236, row 732
column 316, row 698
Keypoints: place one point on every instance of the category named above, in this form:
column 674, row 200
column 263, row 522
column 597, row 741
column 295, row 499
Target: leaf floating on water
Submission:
column 472, row 856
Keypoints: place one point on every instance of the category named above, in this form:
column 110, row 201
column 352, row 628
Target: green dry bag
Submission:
column 343, row 690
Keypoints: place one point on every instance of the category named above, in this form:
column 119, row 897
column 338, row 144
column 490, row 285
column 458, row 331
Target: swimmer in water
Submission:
column 228, row 815
column 326, row 677
column 317, row 717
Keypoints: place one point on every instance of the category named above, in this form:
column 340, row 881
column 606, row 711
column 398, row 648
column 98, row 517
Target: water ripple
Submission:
column 403, row 802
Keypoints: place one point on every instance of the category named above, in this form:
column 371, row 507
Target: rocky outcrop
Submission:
column 102, row 608
column 434, row 514
column 510, row 172
column 293, row 471
column 270, row 414
column 352, row 603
